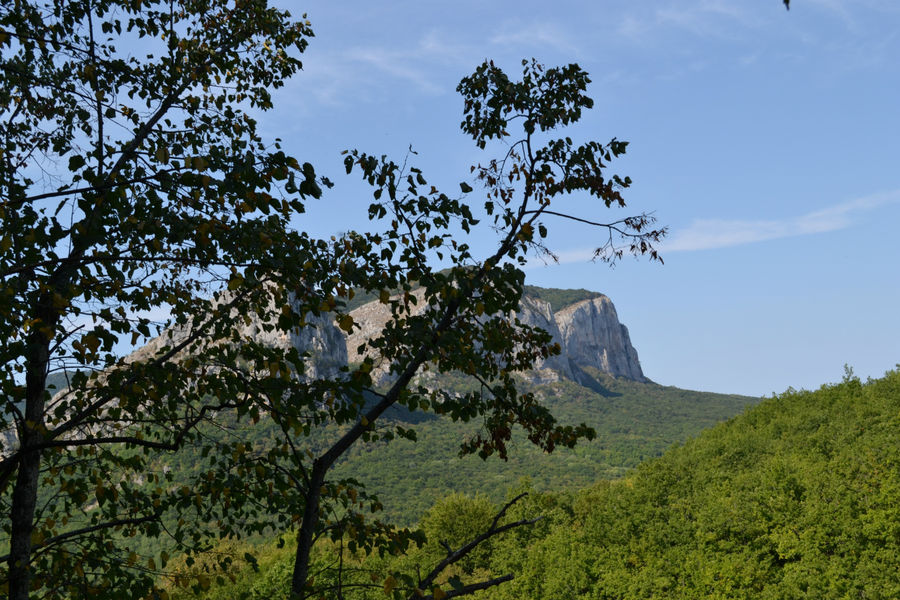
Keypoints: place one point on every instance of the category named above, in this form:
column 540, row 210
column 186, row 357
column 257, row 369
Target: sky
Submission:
column 766, row 140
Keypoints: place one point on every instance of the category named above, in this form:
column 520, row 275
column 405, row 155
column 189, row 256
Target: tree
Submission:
column 132, row 181
column 138, row 186
column 458, row 321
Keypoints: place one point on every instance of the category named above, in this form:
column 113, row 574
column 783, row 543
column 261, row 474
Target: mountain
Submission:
column 799, row 497
column 597, row 380
column 635, row 419
column 586, row 327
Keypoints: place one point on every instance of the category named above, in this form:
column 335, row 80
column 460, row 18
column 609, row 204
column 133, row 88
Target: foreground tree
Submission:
column 457, row 320
column 132, row 183
column 133, row 187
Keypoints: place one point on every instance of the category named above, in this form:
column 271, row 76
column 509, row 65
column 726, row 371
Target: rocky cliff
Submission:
column 589, row 335
column 323, row 341
column 588, row 332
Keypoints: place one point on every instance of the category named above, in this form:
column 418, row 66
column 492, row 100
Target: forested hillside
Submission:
column 634, row 421
column 797, row 498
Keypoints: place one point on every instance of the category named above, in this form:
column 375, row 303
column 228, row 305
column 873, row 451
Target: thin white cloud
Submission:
column 704, row 18
column 708, row 234
column 633, row 28
column 334, row 77
column 327, row 78
column 535, row 35
column 442, row 48
column 839, row 9
column 398, row 65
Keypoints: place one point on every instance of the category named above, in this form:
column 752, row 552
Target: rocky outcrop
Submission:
column 370, row 319
column 588, row 332
column 537, row 313
column 321, row 340
column 591, row 336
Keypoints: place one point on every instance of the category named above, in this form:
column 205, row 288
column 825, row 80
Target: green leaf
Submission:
column 235, row 282
column 346, row 323
column 76, row 162
column 251, row 560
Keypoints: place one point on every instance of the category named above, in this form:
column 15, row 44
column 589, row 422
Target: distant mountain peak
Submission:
column 586, row 327
column 590, row 335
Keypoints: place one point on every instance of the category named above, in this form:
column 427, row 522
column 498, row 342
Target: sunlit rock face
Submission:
column 588, row 332
column 321, row 340
column 591, row 336
column 537, row 313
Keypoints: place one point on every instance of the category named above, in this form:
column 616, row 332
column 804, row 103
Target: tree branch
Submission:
column 610, row 225
column 85, row 530
column 468, row 588
column 456, row 555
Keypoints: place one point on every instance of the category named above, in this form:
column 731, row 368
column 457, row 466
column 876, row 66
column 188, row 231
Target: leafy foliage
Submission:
column 795, row 498
column 158, row 196
column 132, row 184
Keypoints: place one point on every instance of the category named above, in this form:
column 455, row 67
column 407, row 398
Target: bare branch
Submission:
column 456, row 555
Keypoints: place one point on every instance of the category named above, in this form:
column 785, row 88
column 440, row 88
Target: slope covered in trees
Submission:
column 634, row 422
column 796, row 498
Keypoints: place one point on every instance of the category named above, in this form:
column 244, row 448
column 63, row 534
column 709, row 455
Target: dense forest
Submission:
column 798, row 497
column 634, row 422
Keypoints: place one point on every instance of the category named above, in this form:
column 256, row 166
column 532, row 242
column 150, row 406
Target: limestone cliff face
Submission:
column 322, row 340
column 591, row 336
column 588, row 332
column 370, row 319
column 537, row 313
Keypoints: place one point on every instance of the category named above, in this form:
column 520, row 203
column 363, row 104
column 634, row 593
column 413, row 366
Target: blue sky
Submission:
column 767, row 141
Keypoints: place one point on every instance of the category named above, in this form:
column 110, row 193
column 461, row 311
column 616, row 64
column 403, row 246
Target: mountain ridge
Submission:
column 587, row 330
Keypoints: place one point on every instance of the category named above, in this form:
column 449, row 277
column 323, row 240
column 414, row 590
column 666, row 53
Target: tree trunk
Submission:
column 24, row 501
column 307, row 530
column 25, row 492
